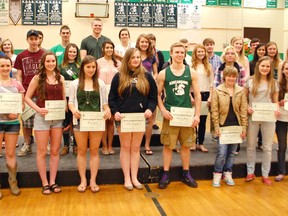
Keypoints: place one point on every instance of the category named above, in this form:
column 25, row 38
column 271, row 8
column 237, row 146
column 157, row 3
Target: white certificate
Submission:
column 67, row 85
column 56, row 109
column 230, row 135
column 10, row 103
column 182, row 117
column 133, row 122
column 28, row 112
column 264, row 112
column 204, row 108
column 286, row 106
column 92, row 121
column 286, row 96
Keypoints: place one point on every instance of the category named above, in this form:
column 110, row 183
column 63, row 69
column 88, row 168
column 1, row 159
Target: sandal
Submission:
column 105, row 153
column 55, row 188
column 202, row 149
column 112, row 152
column 46, row 190
column 193, row 148
column 148, row 152
column 279, row 178
column 94, row 188
column 81, row 188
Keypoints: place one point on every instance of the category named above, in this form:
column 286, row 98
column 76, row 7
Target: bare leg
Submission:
column 55, row 142
column 135, row 156
column 95, row 138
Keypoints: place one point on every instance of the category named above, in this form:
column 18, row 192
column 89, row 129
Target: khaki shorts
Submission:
column 171, row 134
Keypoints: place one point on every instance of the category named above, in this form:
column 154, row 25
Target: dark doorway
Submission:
column 262, row 33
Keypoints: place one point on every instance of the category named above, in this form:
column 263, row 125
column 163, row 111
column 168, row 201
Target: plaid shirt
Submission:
column 215, row 62
column 218, row 76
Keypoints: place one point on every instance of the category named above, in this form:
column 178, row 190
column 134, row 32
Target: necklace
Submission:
column 87, row 96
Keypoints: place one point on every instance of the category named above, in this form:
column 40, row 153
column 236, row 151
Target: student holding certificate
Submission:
column 132, row 91
column 9, row 122
column 177, row 80
column 108, row 66
column 282, row 122
column 88, row 93
column 69, row 70
column 261, row 88
column 229, row 108
column 48, row 84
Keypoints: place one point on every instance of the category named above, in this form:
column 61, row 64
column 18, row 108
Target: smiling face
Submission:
column 108, row 50
column 5, row 67
column 285, row 70
column 265, row 68
column 7, row 46
column 238, row 44
column 143, row 44
column 134, row 61
column 72, row 53
column 50, row 63
column 271, row 50
column 230, row 80
column 209, row 47
column 33, row 42
column 124, row 36
column 200, row 53
column 65, row 35
column 97, row 27
column 261, row 51
column 230, row 56
column 90, row 69
column 178, row 54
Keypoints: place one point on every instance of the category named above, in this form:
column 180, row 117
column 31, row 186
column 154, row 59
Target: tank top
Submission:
column 52, row 92
column 177, row 89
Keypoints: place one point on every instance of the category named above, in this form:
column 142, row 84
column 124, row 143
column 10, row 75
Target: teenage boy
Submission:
column 27, row 63
column 59, row 49
column 177, row 80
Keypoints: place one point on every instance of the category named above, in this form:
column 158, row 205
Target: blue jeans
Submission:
column 225, row 157
column 281, row 132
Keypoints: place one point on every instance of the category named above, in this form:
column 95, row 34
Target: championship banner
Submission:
column 133, row 14
column 171, row 16
column 41, row 12
column 159, row 15
column 28, row 12
column 146, row 14
column 55, row 12
column 15, row 11
column 4, row 12
column 121, row 15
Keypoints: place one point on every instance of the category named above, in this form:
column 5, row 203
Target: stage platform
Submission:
column 201, row 165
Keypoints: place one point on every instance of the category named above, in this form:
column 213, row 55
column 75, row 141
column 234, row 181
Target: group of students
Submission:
column 134, row 85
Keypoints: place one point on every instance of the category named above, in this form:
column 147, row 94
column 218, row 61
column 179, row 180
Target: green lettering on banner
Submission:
column 224, row 2
column 271, row 3
column 236, row 3
column 173, row 1
column 186, row 1
column 211, row 2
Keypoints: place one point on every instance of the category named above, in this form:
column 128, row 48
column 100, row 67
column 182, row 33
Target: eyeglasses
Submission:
column 229, row 53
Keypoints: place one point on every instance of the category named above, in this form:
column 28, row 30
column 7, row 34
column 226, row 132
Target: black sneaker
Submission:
column 164, row 182
column 188, row 180
column 31, row 139
column 155, row 127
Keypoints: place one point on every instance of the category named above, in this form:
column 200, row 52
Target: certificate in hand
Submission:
column 92, row 121
column 67, row 86
column 230, row 135
column 28, row 112
column 264, row 112
column 182, row 117
column 204, row 108
column 10, row 103
column 56, row 109
column 133, row 122
column 286, row 96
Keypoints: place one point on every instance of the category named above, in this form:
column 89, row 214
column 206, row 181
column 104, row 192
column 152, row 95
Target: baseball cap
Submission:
column 32, row 32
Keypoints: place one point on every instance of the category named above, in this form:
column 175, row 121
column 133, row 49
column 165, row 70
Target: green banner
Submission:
column 236, row 3
column 173, row 1
column 147, row 1
column 271, row 3
column 212, row 2
column 286, row 3
column 160, row 1
column 224, row 2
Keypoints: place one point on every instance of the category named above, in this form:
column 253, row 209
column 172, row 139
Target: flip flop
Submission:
column 94, row 188
column 148, row 152
column 112, row 152
column 81, row 188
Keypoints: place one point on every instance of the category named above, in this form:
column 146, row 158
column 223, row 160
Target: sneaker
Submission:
column 216, row 179
column 228, row 178
column 25, row 150
column 164, row 182
column 155, row 127
column 250, row 177
column 266, row 181
column 64, row 150
column 188, row 180
column 214, row 138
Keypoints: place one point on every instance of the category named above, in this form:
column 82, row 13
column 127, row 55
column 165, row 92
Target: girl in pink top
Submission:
column 108, row 66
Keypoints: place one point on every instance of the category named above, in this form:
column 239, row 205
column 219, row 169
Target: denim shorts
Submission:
column 9, row 128
column 41, row 124
column 29, row 123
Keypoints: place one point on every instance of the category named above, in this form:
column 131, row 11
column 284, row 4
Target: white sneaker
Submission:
column 228, row 178
column 25, row 150
column 216, row 179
